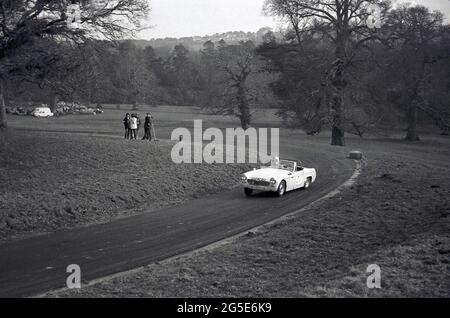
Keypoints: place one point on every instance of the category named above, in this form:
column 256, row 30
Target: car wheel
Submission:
column 307, row 183
column 248, row 191
column 281, row 189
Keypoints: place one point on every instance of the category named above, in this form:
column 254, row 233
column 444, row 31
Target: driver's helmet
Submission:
column 275, row 163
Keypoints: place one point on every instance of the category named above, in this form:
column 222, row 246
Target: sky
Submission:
column 179, row 18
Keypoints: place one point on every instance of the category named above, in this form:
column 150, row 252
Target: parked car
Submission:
column 280, row 177
column 83, row 110
column 20, row 111
column 42, row 112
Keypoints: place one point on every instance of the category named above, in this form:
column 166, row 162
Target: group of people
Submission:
column 132, row 123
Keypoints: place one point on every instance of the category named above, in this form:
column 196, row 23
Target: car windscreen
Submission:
column 287, row 165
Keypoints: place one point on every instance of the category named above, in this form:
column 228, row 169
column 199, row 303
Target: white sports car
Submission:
column 280, row 177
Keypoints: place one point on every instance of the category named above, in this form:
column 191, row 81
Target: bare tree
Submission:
column 243, row 82
column 416, row 35
column 50, row 66
column 22, row 21
column 345, row 24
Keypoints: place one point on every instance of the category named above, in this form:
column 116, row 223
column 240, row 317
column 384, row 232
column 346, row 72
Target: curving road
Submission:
column 37, row 265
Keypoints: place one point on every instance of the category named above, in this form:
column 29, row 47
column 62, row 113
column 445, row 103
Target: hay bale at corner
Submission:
column 356, row 155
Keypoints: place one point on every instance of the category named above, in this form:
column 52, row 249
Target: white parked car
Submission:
column 42, row 112
column 280, row 177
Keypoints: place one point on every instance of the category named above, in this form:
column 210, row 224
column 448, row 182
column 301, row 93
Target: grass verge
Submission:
column 54, row 181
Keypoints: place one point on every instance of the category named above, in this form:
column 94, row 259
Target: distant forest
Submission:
column 163, row 46
column 157, row 71
column 332, row 71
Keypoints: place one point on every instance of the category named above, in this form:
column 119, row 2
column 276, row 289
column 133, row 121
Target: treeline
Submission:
column 228, row 79
column 195, row 43
column 331, row 70
column 104, row 72
column 45, row 45
column 395, row 76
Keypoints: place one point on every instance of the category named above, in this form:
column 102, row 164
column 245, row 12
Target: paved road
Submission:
column 36, row 265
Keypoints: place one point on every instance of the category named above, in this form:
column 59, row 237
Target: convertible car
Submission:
column 280, row 177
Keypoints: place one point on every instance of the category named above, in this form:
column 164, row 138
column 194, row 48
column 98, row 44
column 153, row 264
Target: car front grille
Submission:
column 262, row 183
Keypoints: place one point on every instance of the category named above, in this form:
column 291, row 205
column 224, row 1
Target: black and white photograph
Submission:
column 235, row 151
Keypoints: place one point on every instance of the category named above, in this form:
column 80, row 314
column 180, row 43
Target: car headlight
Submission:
column 244, row 178
column 273, row 181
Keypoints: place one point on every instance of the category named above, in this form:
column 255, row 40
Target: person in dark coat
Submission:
column 126, row 123
column 147, row 127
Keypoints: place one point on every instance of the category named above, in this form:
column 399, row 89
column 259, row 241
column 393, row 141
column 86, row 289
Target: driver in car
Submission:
column 275, row 163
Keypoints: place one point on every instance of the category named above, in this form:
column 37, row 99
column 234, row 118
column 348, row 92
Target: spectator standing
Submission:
column 151, row 129
column 147, row 135
column 126, row 123
column 133, row 126
column 138, row 124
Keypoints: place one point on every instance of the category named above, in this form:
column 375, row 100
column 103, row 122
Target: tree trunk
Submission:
column 412, row 118
column 3, row 120
column 338, row 130
column 53, row 101
column 244, row 109
column 412, row 114
column 337, row 114
column 245, row 123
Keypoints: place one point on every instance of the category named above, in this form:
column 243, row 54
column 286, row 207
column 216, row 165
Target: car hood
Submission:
column 267, row 173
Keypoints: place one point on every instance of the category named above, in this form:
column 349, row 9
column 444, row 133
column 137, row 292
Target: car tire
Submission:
column 307, row 183
column 281, row 189
column 248, row 192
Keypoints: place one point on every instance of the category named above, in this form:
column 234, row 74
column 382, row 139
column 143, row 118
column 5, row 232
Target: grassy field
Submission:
column 75, row 170
column 397, row 215
column 51, row 181
column 166, row 119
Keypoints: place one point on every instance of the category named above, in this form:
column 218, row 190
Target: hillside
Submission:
column 195, row 43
